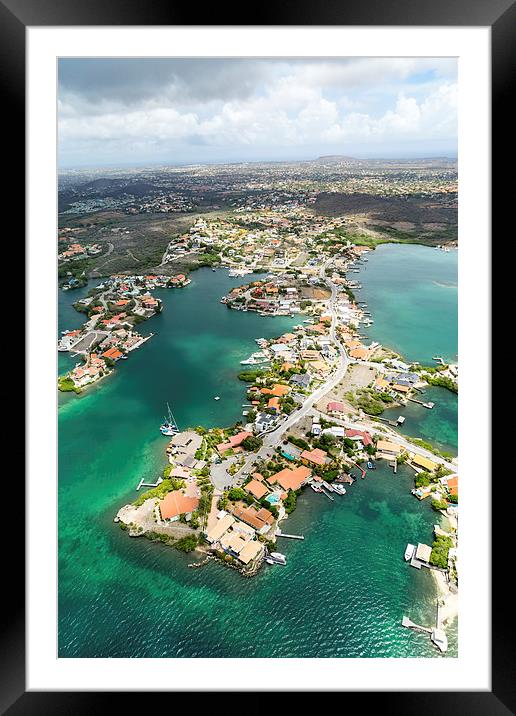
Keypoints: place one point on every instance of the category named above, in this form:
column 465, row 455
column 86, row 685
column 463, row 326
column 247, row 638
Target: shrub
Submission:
column 440, row 549
column 186, row 544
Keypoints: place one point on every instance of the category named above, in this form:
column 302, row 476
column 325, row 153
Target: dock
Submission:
column 330, row 497
column 149, row 484
column 361, row 470
column 437, row 634
column 279, row 533
column 406, row 622
column 420, row 402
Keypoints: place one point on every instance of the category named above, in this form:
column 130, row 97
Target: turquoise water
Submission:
column 437, row 425
column 345, row 587
column 411, row 292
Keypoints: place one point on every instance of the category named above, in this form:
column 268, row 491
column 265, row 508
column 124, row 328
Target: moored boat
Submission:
column 276, row 558
column 409, row 552
column 169, row 425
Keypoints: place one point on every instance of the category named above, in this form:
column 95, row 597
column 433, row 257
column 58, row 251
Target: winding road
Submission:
column 272, row 438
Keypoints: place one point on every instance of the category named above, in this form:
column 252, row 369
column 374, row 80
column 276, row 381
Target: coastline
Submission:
column 448, row 598
column 196, row 554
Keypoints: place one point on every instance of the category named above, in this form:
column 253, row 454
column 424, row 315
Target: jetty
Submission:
column 279, row 533
column 420, row 402
column 361, row 470
column 393, row 423
column 437, row 635
column 406, row 622
column 149, row 484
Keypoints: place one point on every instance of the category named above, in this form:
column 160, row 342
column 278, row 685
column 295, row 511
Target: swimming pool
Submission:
column 273, row 499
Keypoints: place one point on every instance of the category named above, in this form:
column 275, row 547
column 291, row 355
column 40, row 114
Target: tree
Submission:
column 439, row 505
column 440, row 550
column 236, row 493
column 290, row 501
column 252, row 443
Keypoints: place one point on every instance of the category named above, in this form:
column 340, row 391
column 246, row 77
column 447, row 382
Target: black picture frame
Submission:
column 500, row 16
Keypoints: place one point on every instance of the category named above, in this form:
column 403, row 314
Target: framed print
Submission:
column 269, row 274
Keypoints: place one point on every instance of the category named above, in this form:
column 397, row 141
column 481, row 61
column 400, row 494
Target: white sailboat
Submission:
column 169, row 425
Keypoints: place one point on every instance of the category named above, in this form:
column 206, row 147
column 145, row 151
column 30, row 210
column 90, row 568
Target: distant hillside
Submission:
column 404, row 218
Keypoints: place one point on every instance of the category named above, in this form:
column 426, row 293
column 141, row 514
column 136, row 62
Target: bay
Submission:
column 345, row 587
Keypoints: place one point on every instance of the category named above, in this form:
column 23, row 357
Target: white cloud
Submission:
column 300, row 106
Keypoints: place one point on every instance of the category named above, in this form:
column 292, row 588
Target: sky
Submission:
column 136, row 111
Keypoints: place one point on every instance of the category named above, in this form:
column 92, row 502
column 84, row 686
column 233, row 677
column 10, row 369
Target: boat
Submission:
column 316, row 488
column 276, row 558
column 409, row 552
column 339, row 489
column 124, row 357
column 169, row 425
column 217, row 397
column 255, row 358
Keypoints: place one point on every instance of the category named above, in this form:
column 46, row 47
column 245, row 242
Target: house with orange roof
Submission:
column 175, row 504
column 360, row 353
column 112, row 354
column 273, row 404
column 314, row 457
column 256, row 489
column 261, row 520
column 233, row 442
column 280, row 390
column 452, row 484
column 291, row 479
column 400, row 388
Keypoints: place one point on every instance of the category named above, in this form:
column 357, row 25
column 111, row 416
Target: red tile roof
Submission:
column 176, row 503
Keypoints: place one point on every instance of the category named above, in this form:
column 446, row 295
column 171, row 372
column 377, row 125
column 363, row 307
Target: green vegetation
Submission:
column 252, row 443
column 290, row 502
column 442, row 381
column 431, row 448
column 160, row 491
column 440, row 549
column 368, row 400
column 236, row 493
column 186, row 544
column 422, row 479
column 298, row 442
column 66, row 385
column 250, row 376
column 439, row 505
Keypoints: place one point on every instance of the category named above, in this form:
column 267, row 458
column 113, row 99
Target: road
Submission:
column 385, row 433
column 96, row 270
column 271, row 439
